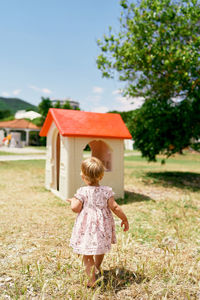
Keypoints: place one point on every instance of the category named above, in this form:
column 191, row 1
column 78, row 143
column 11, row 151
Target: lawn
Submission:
column 159, row 258
column 23, row 151
column 3, row 153
column 7, row 153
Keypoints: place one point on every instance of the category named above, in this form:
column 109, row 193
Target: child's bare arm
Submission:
column 116, row 209
column 76, row 205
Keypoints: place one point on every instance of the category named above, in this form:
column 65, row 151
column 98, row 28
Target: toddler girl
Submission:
column 94, row 229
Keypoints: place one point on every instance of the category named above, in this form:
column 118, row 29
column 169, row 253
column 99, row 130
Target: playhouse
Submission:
column 68, row 132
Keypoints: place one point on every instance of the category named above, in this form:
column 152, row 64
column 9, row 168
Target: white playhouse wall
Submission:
column 71, row 156
column 50, row 170
column 113, row 178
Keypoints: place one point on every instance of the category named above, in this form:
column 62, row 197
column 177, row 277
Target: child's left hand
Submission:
column 126, row 225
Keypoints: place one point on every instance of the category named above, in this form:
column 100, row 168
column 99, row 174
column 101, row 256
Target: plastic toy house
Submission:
column 68, row 133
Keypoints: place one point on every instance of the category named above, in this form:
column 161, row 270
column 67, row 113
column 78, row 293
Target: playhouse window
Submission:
column 102, row 151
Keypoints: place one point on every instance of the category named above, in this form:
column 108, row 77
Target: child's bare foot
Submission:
column 98, row 272
column 91, row 284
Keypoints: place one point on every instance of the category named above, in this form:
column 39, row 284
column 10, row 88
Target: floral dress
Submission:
column 94, row 229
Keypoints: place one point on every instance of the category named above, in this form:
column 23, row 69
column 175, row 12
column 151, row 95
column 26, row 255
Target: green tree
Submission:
column 126, row 115
column 67, row 105
column 57, row 104
column 5, row 114
column 156, row 53
column 43, row 109
column 44, row 106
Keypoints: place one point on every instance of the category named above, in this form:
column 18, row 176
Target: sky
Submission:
column 49, row 49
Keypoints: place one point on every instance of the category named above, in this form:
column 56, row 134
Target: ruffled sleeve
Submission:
column 108, row 192
column 80, row 195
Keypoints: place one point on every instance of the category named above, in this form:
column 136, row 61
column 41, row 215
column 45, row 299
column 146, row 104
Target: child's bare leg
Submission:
column 88, row 261
column 98, row 261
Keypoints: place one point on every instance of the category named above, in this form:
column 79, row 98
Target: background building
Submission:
column 22, row 114
column 74, row 104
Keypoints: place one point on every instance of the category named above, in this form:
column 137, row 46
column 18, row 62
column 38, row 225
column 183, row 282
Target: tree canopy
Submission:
column 157, row 54
column 5, row 114
column 46, row 104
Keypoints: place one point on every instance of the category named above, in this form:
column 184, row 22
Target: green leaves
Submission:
column 44, row 106
column 124, row 4
column 156, row 52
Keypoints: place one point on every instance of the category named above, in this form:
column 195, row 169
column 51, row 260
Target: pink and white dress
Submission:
column 94, row 229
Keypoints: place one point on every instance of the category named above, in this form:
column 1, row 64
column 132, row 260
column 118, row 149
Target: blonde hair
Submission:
column 92, row 170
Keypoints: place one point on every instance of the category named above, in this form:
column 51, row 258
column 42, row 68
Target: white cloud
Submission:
column 116, row 92
column 16, row 92
column 46, row 91
column 97, row 90
column 129, row 103
column 100, row 109
column 37, row 89
column 126, row 103
column 5, row 94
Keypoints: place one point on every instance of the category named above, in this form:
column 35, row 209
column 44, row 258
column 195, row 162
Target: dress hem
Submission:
column 89, row 252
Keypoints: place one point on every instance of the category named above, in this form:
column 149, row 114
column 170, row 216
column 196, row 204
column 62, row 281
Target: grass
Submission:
column 19, row 154
column 159, row 258
column 8, row 153
column 43, row 148
column 33, row 148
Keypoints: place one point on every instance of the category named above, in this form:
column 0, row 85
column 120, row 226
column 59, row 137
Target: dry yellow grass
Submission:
column 159, row 258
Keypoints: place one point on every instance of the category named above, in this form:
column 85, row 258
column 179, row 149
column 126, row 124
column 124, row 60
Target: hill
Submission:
column 15, row 104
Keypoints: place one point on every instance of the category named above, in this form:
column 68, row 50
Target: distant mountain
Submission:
column 15, row 104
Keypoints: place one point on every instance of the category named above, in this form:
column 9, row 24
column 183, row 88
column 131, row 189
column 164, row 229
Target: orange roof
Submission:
column 86, row 124
column 18, row 124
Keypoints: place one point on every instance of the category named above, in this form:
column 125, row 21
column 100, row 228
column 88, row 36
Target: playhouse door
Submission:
column 57, row 161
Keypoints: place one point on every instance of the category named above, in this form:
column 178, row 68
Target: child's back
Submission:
column 94, row 229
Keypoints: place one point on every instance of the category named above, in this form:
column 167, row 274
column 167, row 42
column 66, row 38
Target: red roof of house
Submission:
column 86, row 124
column 18, row 124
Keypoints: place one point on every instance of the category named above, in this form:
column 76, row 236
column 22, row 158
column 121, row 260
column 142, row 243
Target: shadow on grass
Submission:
column 131, row 197
column 121, row 278
column 183, row 180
